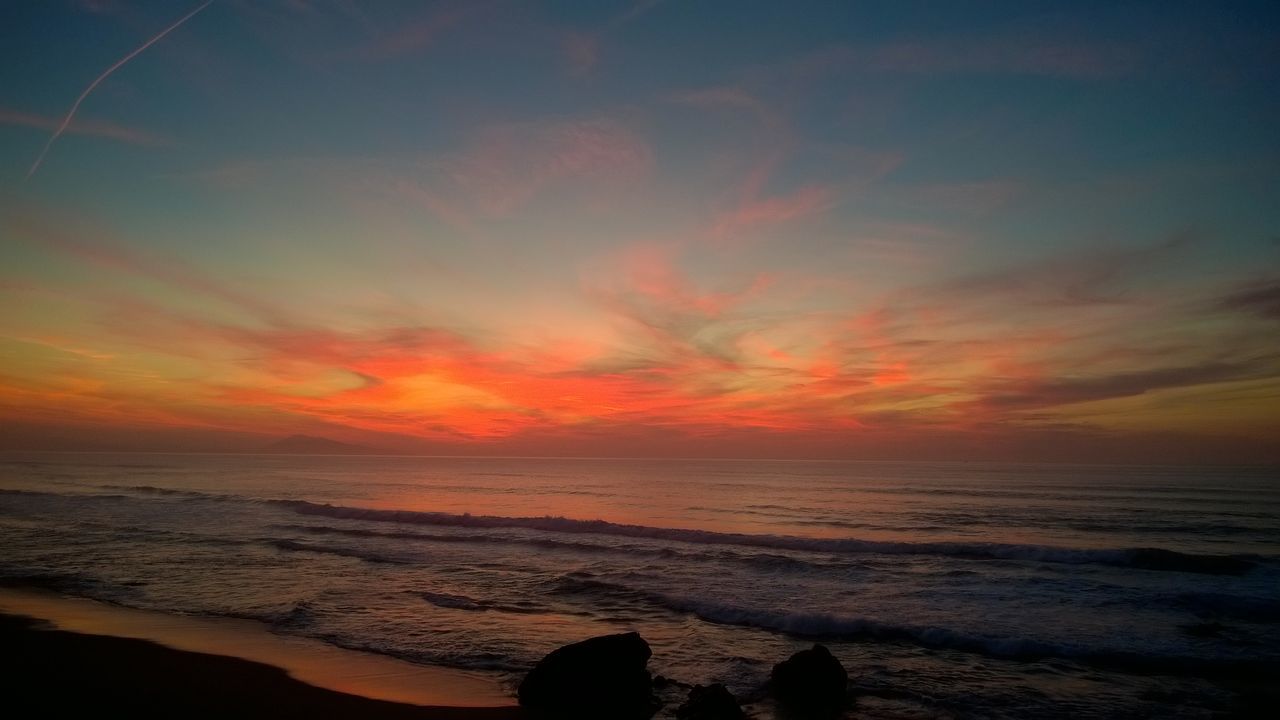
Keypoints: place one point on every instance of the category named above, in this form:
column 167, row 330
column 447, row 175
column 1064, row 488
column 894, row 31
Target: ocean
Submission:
column 948, row 590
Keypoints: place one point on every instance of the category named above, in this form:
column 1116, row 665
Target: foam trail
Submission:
column 66, row 121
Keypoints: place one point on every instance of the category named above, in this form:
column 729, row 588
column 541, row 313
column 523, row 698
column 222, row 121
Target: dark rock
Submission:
column 710, row 702
column 603, row 677
column 811, row 683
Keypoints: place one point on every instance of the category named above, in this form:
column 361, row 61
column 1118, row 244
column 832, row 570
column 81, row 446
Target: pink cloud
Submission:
column 773, row 210
column 754, row 206
column 651, row 272
column 581, row 48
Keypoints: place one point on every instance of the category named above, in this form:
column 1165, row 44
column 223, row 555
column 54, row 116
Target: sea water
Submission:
column 950, row 590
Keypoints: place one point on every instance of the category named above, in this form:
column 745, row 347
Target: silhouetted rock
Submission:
column 603, row 677
column 811, row 683
column 710, row 702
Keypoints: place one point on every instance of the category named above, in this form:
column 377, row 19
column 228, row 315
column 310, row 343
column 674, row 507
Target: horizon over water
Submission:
column 962, row 589
column 7, row 453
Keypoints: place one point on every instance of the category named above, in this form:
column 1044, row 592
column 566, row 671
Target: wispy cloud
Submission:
column 1098, row 276
column 760, row 212
column 507, row 165
column 1053, row 392
column 92, row 128
column 730, row 97
column 755, row 202
column 421, row 32
column 1261, row 298
column 100, row 249
column 637, row 10
column 582, row 48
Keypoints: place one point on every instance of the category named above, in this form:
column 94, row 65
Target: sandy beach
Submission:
column 70, row 655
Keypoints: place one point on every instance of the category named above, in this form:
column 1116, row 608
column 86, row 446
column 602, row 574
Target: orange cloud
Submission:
column 683, row 356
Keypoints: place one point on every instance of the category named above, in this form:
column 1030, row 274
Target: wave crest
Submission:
column 1141, row 558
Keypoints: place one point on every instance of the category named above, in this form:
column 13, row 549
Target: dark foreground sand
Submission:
column 54, row 673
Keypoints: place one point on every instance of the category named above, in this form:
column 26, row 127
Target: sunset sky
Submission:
column 1022, row 230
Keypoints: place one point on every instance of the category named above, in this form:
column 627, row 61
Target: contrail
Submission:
column 71, row 113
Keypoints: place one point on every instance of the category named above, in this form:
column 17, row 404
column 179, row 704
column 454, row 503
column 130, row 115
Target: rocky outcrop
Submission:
column 603, row 677
column 710, row 702
column 811, row 684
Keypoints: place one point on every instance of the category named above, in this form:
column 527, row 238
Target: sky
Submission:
column 1031, row 231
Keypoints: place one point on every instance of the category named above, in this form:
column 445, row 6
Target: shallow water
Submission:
column 948, row 590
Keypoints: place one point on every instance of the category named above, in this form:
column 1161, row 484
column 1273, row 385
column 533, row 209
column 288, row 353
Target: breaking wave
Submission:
column 1139, row 558
column 836, row 627
column 295, row 546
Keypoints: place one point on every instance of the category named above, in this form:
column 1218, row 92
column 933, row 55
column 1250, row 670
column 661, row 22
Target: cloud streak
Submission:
column 1260, row 298
column 66, row 121
column 91, row 128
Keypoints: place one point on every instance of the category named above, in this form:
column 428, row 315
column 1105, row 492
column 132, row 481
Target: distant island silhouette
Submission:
column 312, row 445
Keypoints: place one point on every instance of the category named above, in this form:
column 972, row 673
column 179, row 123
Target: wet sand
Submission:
column 68, row 655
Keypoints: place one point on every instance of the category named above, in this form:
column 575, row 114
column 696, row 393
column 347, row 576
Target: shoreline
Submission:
column 59, row 650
